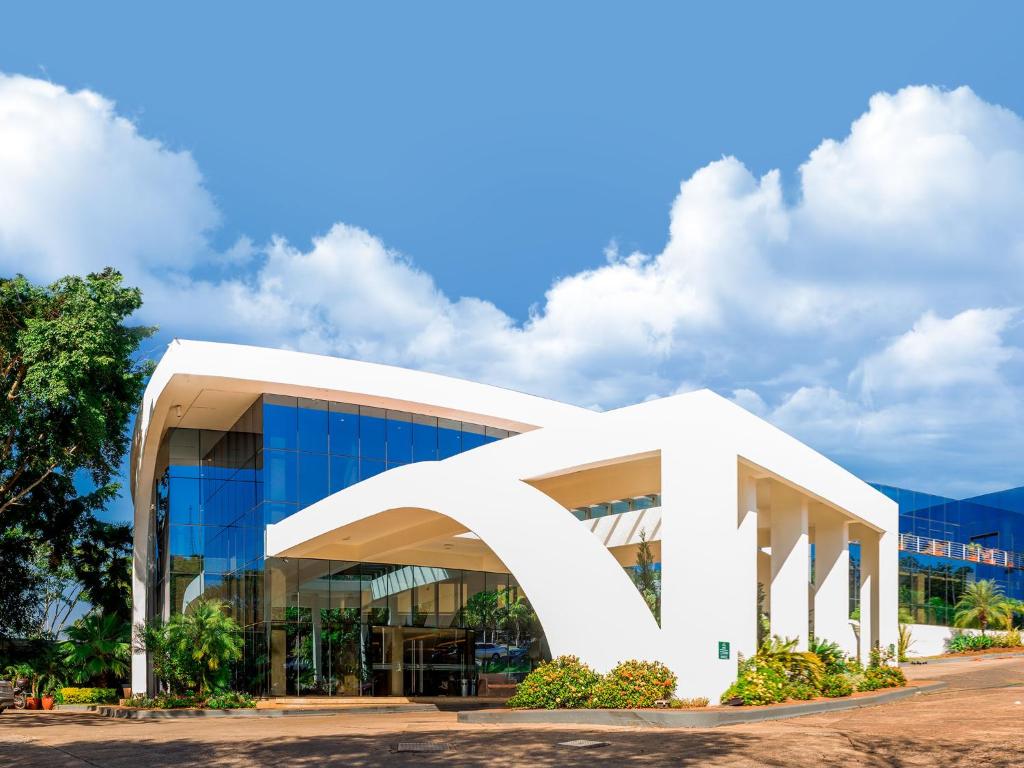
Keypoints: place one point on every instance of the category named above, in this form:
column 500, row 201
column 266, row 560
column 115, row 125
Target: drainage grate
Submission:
column 583, row 743
column 421, row 746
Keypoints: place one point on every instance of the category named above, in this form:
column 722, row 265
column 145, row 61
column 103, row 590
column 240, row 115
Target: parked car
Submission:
column 6, row 695
column 490, row 652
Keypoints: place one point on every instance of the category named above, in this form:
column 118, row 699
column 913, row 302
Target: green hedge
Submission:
column 88, row 695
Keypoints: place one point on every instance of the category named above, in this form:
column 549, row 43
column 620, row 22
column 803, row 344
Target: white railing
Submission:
column 974, row 553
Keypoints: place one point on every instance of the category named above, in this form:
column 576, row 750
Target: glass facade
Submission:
column 930, row 585
column 319, row 626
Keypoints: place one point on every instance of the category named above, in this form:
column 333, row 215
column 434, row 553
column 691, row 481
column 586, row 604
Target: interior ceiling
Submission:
column 619, row 479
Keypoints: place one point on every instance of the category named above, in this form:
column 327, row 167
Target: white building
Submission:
column 350, row 512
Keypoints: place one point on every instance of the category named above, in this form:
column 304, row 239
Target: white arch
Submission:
column 584, row 599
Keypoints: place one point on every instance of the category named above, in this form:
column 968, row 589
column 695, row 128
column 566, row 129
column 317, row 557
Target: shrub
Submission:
column 798, row 666
column 758, row 682
column 634, row 684
column 699, row 701
column 563, row 683
column 831, row 655
column 875, row 678
column 836, row 685
column 1009, row 639
column 89, row 695
column 801, row 691
column 166, row 701
column 965, row 642
column 231, row 700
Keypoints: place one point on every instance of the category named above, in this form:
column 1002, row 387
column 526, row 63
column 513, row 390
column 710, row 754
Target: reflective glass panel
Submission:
column 424, row 438
column 280, row 476
column 312, row 419
column 399, row 437
column 313, row 484
column 343, row 425
column 372, row 433
column 344, row 472
column 280, row 426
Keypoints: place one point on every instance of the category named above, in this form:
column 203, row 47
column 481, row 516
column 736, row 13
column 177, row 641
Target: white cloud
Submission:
column 967, row 349
column 873, row 315
column 80, row 188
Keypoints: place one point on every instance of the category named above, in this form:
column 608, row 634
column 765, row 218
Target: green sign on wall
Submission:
column 723, row 649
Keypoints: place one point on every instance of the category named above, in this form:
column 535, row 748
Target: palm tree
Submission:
column 982, row 603
column 98, row 647
column 209, row 638
column 516, row 615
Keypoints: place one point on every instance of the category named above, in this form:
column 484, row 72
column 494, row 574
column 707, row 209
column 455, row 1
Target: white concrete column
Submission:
column 790, row 565
column 832, row 580
column 745, row 563
column 700, row 572
column 317, row 627
column 868, row 592
column 888, row 592
column 140, row 590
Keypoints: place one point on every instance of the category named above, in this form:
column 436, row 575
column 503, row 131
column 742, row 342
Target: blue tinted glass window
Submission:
column 279, row 476
column 343, row 426
column 276, row 512
column 312, row 478
column 280, row 426
column 372, row 433
column 424, row 439
column 344, row 472
column 399, row 435
column 312, row 418
column 185, row 543
column 184, row 503
column 393, row 464
column 473, row 440
column 369, row 468
column 449, row 438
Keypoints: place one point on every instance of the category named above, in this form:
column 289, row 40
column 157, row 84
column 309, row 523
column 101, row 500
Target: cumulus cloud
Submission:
column 873, row 313
column 80, row 188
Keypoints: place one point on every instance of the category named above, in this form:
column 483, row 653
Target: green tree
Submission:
column 516, row 615
column 204, row 641
column 982, row 603
column 98, row 648
column 69, row 382
column 482, row 611
column 646, row 577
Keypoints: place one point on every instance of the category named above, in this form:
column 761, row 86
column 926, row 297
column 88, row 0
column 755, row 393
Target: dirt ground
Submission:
column 977, row 720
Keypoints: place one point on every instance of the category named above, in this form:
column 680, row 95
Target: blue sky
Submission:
column 496, row 193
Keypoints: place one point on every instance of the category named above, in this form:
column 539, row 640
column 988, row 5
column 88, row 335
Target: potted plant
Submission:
column 20, row 675
column 35, row 701
column 48, row 684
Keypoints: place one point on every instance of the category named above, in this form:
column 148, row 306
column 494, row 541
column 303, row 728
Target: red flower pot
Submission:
column 31, row 702
column 47, row 702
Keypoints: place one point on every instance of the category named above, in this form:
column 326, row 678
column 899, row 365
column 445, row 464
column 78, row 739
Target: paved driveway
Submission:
column 978, row 720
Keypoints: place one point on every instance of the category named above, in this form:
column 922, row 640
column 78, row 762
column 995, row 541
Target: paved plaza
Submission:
column 976, row 720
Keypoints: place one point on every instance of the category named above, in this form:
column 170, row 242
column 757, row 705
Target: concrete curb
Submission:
column 185, row 714
column 951, row 659
column 712, row 717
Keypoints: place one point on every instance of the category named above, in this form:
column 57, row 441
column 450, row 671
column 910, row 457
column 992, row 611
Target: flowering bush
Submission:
column 1009, row 639
column 881, row 677
column 88, row 695
column 563, row 683
column 836, row 685
column 758, row 682
column 634, row 684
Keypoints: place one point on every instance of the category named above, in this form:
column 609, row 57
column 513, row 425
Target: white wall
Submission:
column 929, row 640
